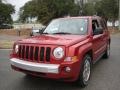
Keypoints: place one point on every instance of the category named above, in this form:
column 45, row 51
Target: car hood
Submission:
column 65, row 40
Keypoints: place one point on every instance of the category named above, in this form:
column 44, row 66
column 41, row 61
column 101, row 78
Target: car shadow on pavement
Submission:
column 37, row 83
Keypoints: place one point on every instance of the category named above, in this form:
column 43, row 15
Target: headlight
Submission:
column 58, row 53
column 16, row 48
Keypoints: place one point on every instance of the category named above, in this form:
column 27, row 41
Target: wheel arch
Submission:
column 90, row 52
column 85, row 49
column 109, row 41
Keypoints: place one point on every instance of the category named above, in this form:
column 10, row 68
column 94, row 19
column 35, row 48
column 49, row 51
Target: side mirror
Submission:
column 41, row 30
column 98, row 31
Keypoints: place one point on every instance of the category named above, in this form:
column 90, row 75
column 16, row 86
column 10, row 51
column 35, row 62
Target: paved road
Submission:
column 105, row 75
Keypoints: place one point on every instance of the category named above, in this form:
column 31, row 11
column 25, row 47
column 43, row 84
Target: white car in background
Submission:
column 36, row 31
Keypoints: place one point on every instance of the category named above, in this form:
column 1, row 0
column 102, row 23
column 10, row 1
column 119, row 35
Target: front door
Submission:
column 97, row 40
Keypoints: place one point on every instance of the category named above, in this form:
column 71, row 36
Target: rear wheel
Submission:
column 107, row 52
column 85, row 72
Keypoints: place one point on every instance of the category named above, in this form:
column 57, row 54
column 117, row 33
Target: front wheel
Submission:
column 85, row 72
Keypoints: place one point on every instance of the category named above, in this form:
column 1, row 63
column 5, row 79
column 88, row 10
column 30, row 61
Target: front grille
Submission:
column 31, row 52
column 48, row 50
column 23, row 51
column 27, row 50
column 42, row 53
column 34, row 53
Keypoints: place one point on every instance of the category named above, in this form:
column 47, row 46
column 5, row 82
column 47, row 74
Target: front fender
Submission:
column 84, row 49
column 80, row 50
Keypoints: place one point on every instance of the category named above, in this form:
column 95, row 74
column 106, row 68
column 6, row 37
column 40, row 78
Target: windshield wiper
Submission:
column 62, row 33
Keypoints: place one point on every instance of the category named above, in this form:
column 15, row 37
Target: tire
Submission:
column 28, row 75
column 107, row 52
column 85, row 72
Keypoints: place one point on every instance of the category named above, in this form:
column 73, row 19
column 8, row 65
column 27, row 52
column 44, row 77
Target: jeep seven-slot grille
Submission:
column 34, row 53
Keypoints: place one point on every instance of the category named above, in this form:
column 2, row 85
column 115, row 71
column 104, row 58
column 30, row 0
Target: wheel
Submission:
column 107, row 52
column 85, row 72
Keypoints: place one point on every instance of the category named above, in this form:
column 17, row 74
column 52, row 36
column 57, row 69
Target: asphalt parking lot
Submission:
column 105, row 74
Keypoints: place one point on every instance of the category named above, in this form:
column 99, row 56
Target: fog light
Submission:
column 67, row 69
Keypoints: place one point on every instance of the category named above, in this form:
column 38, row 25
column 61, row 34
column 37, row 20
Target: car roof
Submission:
column 80, row 17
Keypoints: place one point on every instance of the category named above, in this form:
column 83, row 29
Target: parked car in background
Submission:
column 6, row 26
column 34, row 32
column 65, row 50
column 37, row 31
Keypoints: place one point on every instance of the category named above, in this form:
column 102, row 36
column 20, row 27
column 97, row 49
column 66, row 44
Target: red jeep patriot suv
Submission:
column 65, row 50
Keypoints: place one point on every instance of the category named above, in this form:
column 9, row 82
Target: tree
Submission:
column 89, row 9
column 104, row 8
column 45, row 10
column 109, row 9
column 5, row 13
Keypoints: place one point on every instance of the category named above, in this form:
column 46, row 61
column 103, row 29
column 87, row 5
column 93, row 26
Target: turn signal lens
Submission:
column 69, row 59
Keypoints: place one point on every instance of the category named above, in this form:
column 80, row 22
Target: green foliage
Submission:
column 89, row 9
column 45, row 10
column 5, row 13
column 104, row 8
column 109, row 8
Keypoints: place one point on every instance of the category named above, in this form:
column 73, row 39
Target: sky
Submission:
column 17, row 4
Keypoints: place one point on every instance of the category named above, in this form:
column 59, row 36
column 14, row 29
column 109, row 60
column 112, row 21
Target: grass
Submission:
column 14, row 32
column 6, row 44
column 114, row 30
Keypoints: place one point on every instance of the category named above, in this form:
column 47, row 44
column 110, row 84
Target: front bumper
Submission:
column 35, row 67
column 53, row 71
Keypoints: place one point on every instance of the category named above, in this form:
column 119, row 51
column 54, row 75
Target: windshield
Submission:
column 67, row 26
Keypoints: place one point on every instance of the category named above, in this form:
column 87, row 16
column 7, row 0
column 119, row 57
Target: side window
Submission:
column 96, row 27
